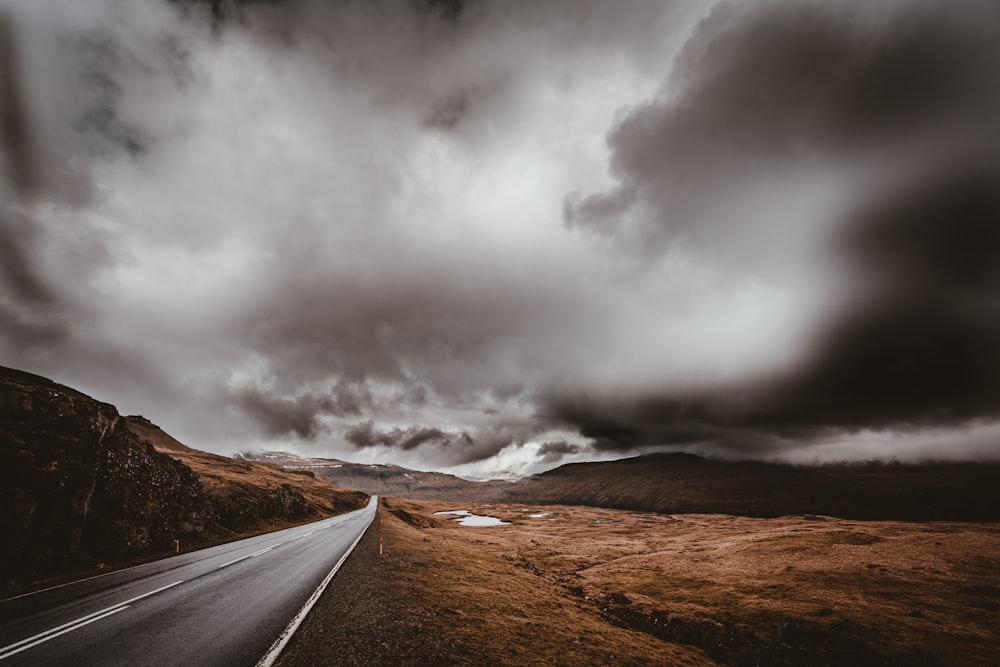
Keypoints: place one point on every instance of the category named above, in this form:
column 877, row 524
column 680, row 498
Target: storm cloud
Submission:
column 481, row 235
column 766, row 98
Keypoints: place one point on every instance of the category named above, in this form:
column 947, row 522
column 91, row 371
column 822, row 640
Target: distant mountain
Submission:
column 81, row 485
column 387, row 479
column 684, row 483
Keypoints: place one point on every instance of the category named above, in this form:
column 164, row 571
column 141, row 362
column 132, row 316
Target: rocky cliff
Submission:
column 82, row 486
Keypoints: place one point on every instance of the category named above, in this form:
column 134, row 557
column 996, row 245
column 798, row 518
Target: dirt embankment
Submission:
column 573, row 585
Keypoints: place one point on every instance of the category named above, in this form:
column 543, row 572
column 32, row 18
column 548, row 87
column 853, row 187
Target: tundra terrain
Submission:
column 577, row 585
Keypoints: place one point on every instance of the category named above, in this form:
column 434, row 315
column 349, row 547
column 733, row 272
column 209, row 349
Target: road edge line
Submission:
column 153, row 562
column 286, row 635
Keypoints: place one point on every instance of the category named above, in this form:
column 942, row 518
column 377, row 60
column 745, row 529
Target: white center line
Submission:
column 256, row 553
column 53, row 635
column 41, row 637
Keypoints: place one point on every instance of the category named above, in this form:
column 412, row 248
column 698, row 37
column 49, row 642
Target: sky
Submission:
column 502, row 236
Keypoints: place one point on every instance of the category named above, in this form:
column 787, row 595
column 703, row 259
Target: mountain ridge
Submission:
column 677, row 483
column 682, row 483
column 387, row 479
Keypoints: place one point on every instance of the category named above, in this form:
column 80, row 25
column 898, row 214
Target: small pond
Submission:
column 467, row 518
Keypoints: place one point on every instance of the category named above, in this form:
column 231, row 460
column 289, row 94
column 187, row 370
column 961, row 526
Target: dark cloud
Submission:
column 436, row 444
column 447, row 113
column 553, row 452
column 16, row 146
column 919, row 345
column 763, row 86
column 915, row 348
column 99, row 122
column 29, row 306
column 489, row 441
column 366, row 434
column 762, row 90
column 302, row 415
column 619, row 424
column 23, row 283
column 15, row 126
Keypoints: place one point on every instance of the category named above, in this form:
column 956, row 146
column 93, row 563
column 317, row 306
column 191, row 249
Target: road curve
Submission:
column 222, row 606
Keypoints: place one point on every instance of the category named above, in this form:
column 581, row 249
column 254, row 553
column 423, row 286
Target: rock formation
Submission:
column 82, row 486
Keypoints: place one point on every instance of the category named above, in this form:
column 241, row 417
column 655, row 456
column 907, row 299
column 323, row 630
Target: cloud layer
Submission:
column 484, row 235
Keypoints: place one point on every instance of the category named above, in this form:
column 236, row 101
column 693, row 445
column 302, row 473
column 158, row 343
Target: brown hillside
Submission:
column 387, row 479
column 82, row 487
column 683, row 483
column 233, row 479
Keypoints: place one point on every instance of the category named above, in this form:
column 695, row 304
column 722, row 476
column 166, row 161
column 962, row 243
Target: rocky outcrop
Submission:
column 81, row 486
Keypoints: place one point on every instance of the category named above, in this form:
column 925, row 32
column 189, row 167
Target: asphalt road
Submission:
column 220, row 606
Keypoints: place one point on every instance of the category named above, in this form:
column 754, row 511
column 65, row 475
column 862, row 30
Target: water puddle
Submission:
column 467, row 518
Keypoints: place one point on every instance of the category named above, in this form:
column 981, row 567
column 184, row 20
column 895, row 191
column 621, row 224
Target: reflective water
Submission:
column 467, row 518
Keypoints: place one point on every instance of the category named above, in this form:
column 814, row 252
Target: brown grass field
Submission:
column 594, row 586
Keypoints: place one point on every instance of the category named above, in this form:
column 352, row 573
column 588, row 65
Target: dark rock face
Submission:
column 79, row 487
column 244, row 507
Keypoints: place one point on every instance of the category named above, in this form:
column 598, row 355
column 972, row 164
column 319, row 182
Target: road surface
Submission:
column 223, row 606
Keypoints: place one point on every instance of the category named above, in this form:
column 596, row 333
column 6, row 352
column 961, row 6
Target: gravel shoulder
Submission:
column 368, row 615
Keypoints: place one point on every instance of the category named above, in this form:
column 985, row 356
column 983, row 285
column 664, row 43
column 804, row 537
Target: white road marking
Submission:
column 8, row 654
column 256, row 553
column 278, row 646
column 125, row 569
column 41, row 637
